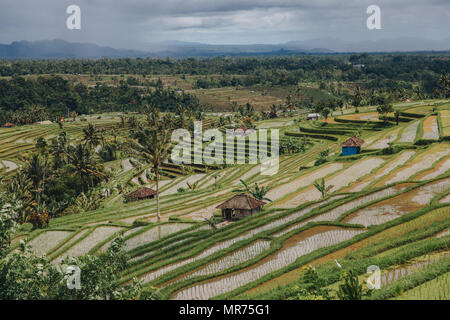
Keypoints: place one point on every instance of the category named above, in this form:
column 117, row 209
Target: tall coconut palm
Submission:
column 418, row 92
column 91, row 136
column 86, row 166
column 20, row 189
column 58, row 149
column 151, row 145
column 36, row 171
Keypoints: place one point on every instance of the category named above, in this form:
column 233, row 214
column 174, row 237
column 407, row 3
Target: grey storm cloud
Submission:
column 139, row 23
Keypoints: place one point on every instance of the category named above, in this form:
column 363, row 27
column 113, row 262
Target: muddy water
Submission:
column 400, row 160
column 47, row 241
column 341, row 179
column 227, row 243
column 392, row 208
column 409, row 135
column 282, row 258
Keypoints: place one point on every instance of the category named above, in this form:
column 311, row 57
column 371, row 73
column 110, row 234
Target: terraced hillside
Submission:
column 387, row 206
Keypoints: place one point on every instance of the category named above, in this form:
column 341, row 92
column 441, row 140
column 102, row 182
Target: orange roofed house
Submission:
column 141, row 194
column 352, row 146
column 240, row 206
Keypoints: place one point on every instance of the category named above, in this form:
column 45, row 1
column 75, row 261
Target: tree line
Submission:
column 25, row 101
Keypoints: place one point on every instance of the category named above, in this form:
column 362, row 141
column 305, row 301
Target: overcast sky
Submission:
column 135, row 24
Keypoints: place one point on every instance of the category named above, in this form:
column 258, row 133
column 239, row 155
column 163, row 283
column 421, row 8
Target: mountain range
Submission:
column 61, row 49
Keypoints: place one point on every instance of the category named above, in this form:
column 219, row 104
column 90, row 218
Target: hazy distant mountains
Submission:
column 60, row 49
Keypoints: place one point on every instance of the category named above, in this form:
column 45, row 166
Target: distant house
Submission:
column 358, row 66
column 240, row 206
column 43, row 122
column 312, row 116
column 9, row 125
column 141, row 194
column 352, row 146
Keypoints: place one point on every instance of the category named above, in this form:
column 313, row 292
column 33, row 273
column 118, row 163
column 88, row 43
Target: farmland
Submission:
column 382, row 208
column 226, row 177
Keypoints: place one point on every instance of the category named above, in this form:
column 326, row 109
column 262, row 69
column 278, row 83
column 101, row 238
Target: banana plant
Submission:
column 256, row 191
column 322, row 187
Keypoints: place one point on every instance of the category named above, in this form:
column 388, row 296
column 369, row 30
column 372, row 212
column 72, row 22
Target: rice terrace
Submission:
column 224, row 172
column 364, row 189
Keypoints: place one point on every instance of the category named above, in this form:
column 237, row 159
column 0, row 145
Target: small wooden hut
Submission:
column 312, row 116
column 141, row 194
column 9, row 125
column 240, row 206
column 352, row 146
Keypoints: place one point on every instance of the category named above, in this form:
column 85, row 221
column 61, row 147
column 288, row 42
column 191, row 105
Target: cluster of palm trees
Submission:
column 24, row 116
column 53, row 177
column 290, row 146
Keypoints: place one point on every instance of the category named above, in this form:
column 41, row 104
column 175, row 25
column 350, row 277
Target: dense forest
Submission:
column 406, row 67
column 28, row 99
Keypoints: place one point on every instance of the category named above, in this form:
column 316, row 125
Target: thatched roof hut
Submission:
column 353, row 142
column 240, row 206
column 141, row 194
column 352, row 146
column 9, row 125
column 312, row 116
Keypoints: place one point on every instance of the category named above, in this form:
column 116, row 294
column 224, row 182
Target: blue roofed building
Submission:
column 352, row 146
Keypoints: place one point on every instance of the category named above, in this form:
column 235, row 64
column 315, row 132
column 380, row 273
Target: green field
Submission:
column 386, row 207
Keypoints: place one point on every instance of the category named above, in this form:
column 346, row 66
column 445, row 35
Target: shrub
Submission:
column 39, row 220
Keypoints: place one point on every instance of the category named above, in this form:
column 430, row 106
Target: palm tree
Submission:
column 193, row 185
column 418, row 92
column 21, row 190
column 91, row 136
column 86, row 166
column 357, row 97
column 256, row 192
column 273, row 111
column 151, row 145
column 36, row 171
column 397, row 116
column 323, row 189
column 444, row 82
column 122, row 121
column 215, row 176
column 58, row 149
column 325, row 112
